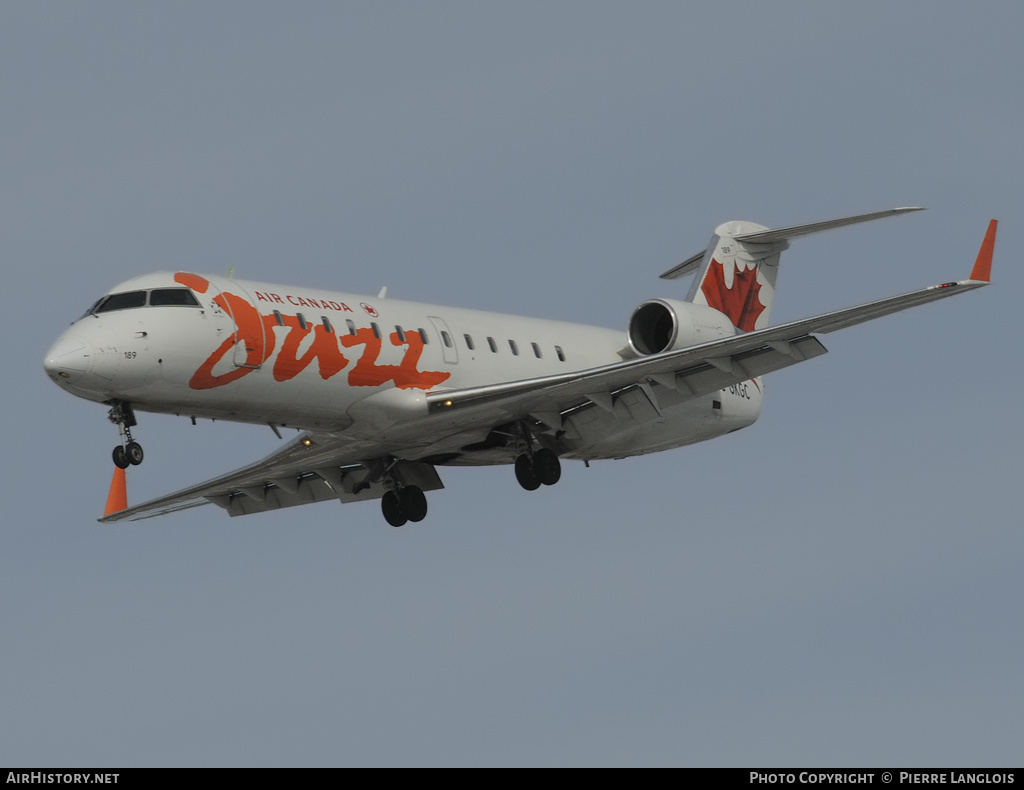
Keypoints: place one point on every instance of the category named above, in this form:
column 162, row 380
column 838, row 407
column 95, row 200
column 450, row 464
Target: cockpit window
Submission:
column 158, row 297
column 92, row 310
column 172, row 296
column 122, row 301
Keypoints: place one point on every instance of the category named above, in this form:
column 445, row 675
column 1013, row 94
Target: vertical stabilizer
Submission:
column 737, row 276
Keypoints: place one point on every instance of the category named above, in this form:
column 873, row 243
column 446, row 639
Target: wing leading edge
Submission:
column 318, row 468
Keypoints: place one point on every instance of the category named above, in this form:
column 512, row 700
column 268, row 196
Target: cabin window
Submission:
column 327, row 324
column 446, row 339
column 469, row 342
column 123, row 301
column 514, row 347
column 302, row 320
column 351, row 326
column 175, row 297
column 423, row 336
column 558, row 351
column 536, row 350
column 401, row 333
column 279, row 318
column 492, row 344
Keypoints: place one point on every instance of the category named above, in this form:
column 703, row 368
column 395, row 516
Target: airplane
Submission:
column 385, row 391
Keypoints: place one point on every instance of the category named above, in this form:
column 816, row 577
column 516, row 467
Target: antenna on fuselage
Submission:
column 231, row 271
column 383, row 293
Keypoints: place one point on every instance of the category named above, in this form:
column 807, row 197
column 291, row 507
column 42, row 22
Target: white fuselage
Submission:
column 209, row 347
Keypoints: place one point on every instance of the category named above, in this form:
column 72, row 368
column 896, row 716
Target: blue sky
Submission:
column 837, row 585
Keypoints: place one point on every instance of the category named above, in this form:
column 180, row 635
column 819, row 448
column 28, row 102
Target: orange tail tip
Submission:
column 983, row 265
column 117, row 500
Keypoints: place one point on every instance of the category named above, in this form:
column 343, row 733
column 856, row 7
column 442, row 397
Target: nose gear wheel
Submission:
column 129, row 452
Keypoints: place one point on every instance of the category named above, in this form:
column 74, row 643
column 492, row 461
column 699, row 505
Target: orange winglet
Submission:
column 983, row 265
column 117, row 500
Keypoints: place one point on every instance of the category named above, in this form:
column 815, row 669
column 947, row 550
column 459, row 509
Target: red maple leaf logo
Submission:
column 739, row 303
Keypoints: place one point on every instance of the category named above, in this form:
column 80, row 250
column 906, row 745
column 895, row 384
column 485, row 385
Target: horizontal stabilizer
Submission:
column 686, row 267
column 784, row 234
column 769, row 236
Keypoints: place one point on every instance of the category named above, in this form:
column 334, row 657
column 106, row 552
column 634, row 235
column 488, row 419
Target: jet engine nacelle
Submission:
column 665, row 324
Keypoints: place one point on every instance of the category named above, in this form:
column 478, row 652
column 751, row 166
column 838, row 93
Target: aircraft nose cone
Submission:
column 68, row 358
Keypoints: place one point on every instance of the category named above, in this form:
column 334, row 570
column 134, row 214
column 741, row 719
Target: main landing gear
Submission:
column 129, row 452
column 401, row 505
column 536, row 467
column 540, row 468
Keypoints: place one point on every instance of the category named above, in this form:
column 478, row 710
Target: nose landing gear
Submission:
column 129, row 452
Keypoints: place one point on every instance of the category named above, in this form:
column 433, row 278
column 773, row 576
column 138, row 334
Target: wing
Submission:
column 310, row 468
column 315, row 467
column 704, row 368
column 696, row 370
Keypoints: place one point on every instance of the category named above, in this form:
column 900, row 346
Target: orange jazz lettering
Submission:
column 258, row 333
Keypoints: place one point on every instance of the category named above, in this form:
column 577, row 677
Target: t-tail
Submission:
column 741, row 263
